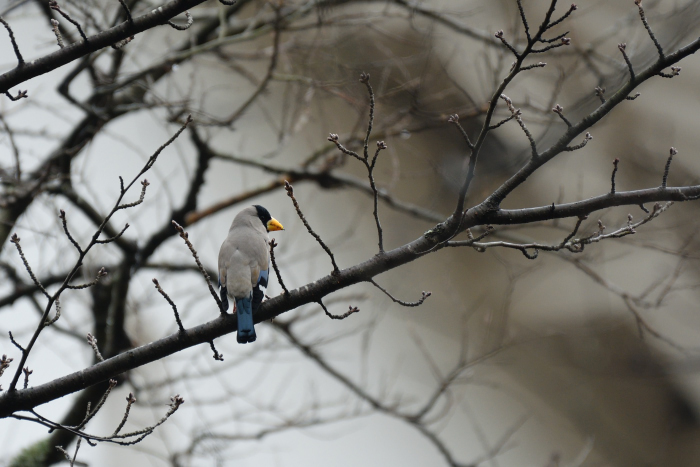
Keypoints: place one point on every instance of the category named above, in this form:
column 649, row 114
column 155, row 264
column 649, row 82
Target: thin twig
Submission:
column 15, row 240
column 62, row 215
column 15, row 343
column 116, row 237
column 129, row 18
column 54, row 6
column 5, row 363
column 648, row 28
column 290, row 193
column 454, row 119
column 130, row 399
column 91, row 413
column 26, row 372
column 523, row 19
column 583, row 143
column 675, row 71
column 501, row 37
column 207, row 279
column 49, row 322
column 20, row 60
column 559, row 110
column 418, row 302
column 273, row 244
column 217, row 356
column 364, row 78
column 600, row 93
column 59, row 37
column 92, row 340
column 184, row 27
column 672, row 152
column 623, row 48
column 517, row 114
column 612, row 178
column 172, row 304
column 351, row 310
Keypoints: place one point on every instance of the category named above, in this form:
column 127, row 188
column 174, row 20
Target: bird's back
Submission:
column 242, row 256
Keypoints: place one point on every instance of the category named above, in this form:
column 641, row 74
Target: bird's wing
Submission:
column 262, row 278
column 253, row 244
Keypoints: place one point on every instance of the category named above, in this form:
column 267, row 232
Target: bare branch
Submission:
column 20, row 60
column 517, row 115
column 501, row 37
column 205, row 274
column 523, row 19
column 49, row 322
column 62, row 215
column 612, row 177
column 184, row 27
column 129, row 18
column 623, row 48
column 130, row 399
column 96, row 42
column 581, row 145
column 20, row 95
column 100, row 274
column 26, row 372
column 351, row 310
column 15, row 343
column 675, row 71
column 664, row 180
column 273, row 244
column 424, row 295
column 600, row 93
column 217, row 356
column 172, row 304
column 54, row 6
column 57, row 32
column 290, row 193
column 364, row 78
column 93, row 343
column 648, row 28
column 454, row 119
column 15, row 240
column 5, row 363
column 559, row 110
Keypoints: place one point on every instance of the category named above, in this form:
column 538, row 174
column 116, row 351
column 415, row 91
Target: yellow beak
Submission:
column 273, row 224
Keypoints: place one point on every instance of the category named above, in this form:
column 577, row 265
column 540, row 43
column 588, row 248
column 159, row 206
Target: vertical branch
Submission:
column 290, row 193
column 364, row 78
column 54, row 6
column 160, row 290
column 612, row 178
column 672, row 152
column 380, row 234
column 207, row 279
column 369, row 165
column 273, row 244
column 648, row 28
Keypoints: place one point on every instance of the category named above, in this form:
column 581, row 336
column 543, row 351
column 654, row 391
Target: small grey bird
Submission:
column 244, row 262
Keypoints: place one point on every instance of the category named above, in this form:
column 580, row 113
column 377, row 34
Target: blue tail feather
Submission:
column 244, row 311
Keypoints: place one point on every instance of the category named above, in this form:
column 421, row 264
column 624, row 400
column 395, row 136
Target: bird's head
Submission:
column 270, row 223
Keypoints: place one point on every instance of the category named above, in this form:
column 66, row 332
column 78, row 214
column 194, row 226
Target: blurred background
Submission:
column 586, row 359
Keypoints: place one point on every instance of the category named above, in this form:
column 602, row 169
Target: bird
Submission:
column 244, row 264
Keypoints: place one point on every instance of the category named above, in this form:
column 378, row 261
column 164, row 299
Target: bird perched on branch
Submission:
column 244, row 262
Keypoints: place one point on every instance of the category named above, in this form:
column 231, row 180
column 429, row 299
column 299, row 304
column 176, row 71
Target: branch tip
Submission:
column 664, row 180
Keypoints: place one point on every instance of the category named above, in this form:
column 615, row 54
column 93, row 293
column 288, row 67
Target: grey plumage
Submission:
column 243, row 265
